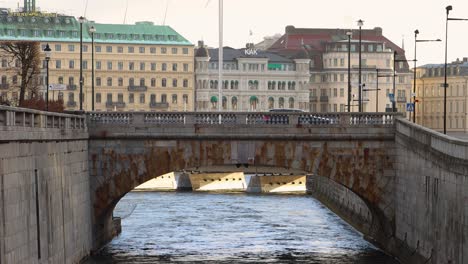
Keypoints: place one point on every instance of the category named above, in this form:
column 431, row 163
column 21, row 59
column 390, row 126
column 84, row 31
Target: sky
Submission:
column 198, row 19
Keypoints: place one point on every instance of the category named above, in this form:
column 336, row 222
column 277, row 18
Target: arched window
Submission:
column 109, row 81
column 281, row 102
column 185, row 98
column 174, row 98
column 214, row 102
column 291, row 102
column 224, row 103
column 163, row 82
column 163, row 98
column 253, row 102
column 234, row 103
column 232, row 85
column 273, row 85
column 269, row 85
column 142, row 82
column 131, row 82
column 212, row 85
column 120, row 82
column 271, row 103
column 153, row 82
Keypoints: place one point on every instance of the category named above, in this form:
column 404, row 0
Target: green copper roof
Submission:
column 53, row 27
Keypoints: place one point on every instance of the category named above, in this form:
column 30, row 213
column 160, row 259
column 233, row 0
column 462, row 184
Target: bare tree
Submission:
column 26, row 54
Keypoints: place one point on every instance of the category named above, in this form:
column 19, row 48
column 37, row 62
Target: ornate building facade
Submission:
column 140, row 67
column 430, row 96
column 328, row 51
column 253, row 80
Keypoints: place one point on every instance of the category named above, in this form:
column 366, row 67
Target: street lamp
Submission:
column 360, row 24
column 448, row 9
column 92, row 30
column 349, row 34
column 81, row 20
column 416, row 40
column 48, row 53
column 377, row 88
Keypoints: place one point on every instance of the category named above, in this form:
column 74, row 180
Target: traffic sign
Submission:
column 392, row 97
column 409, row 107
column 57, row 87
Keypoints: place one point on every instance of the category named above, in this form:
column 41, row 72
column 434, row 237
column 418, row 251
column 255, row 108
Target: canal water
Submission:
column 191, row 227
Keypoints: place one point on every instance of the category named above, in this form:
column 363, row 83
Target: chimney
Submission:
column 201, row 44
column 465, row 59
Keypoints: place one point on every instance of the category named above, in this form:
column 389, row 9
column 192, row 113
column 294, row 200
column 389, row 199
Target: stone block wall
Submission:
column 44, row 202
column 431, row 196
column 45, row 207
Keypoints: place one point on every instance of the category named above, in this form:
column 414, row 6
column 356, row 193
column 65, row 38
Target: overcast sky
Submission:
column 198, row 19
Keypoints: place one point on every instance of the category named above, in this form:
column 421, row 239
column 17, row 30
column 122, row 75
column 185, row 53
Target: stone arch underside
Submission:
column 364, row 167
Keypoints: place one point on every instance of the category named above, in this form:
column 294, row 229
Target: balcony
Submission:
column 401, row 99
column 115, row 104
column 155, row 105
column 313, row 98
column 324, row 98
column 71, row 104
column 71, row 87
column 133, row 88
column 4, row 86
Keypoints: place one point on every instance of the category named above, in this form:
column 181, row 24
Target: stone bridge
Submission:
column 403, row 186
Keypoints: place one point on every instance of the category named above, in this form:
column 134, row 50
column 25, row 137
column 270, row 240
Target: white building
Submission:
column 253, row 80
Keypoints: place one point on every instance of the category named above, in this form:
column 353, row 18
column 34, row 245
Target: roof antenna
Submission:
column 86, row 9
column 165, row 13
column 125, row 16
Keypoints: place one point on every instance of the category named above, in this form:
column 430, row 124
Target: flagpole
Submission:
column 220, row 59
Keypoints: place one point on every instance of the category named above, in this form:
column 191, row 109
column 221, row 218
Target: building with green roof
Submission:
column 138, row 67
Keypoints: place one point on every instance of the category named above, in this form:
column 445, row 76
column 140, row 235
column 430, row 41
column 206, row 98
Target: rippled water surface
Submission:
column 169, row 227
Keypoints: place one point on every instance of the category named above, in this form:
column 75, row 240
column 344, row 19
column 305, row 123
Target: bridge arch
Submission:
column 363, row 167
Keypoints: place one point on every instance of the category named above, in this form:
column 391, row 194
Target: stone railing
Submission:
column 447, row 145
column 28, row 124
column 243, row 118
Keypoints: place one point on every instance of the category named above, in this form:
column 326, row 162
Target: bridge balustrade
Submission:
column 110, row 118
column 242, row 118
column 14, row 117
column 164, row 118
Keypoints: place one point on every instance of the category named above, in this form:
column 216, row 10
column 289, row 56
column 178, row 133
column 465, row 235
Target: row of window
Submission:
column 438, row 72
column 436, row 90
column 252, row 66
column 253, row 103
column 141, row 97
column 118, row 49
column 75, row 34
column 353, row 47
column 142, row 66
column 334, row 77
column 131, row 82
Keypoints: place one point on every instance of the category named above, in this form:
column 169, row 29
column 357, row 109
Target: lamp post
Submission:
column 92, row 30
column 81, row 20
column 48, row 53
column 394, row 74
column 416, row 40
column 448, row 9
column 360, row 24
column 349, row 34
